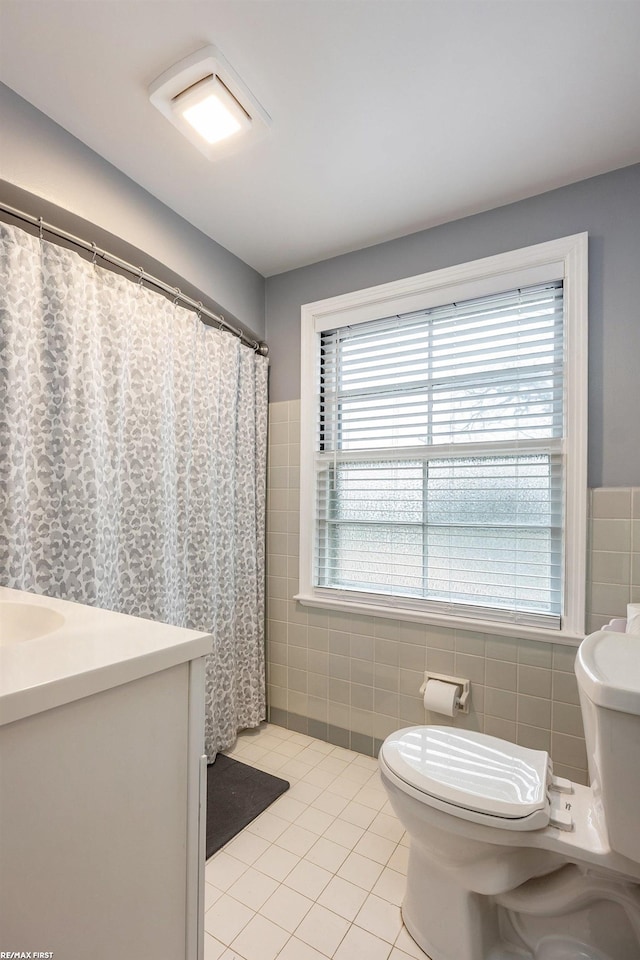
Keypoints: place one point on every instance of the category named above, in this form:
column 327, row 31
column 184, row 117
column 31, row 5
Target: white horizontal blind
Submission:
column 439, row 457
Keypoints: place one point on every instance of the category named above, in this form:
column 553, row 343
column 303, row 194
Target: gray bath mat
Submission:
column 236, row 795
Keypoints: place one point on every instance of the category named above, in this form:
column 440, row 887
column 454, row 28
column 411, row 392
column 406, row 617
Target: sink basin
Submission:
column 26, row 621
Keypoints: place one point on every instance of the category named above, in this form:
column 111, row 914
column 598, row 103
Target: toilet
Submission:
column 508, row 861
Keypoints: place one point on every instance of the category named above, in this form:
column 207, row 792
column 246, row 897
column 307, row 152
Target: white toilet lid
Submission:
column 471, row 770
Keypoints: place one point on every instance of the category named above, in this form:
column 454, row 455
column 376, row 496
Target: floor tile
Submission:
column 376, row 848
column 315, row 820
column 381, row 918
column 359, row 814
column 371, row 797
column 276, row 862
column 321, row 873
column 360, row 870
column 322, row 747
column 247, row 847
column 268, row 741
column 330, row 803
column 359, row 775
column 304, row 792
column 322, row 929
column 369, row 762
column 346, row 834
column 277, row 731
column 343, row 897
column 360, row 945
column 274, row 763
column 213, row 949
column 260, row 939
column 399, row 860
column 288, row 808
column 312, row 756
column 390, row 886
column 250, row 753
column 253, row 888
column 211, row 894
column 289, row 749
column 286, row 907
column 223, row 870
column 343, row 754
column 294, row 770
column 325, row 853
column 408, row 946
column 333, row 764
column 385, row 826
column 344, row 788
column 295, row 949
column 321, row 778
column 268, row 826
column 296, row 839
column 308, row 879
column 302, row 738
column 226, row 918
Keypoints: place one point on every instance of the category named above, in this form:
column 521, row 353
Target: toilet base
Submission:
column 445, row 920
column 449, row 922
column 602, row 930
column 479, row 893
column 548, row 947
column 566, row 948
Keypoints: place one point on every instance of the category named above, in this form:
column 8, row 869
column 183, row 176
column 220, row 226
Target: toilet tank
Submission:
column 608, row 672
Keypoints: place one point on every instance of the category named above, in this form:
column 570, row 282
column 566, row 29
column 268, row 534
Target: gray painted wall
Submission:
column 607, row 207
column 47, row 172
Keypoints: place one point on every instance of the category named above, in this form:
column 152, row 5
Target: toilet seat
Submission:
column 472, row 775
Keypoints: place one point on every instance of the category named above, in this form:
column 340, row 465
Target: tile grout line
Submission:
column 359, row 784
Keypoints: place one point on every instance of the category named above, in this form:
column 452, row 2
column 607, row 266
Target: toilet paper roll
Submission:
column 633, row 618
column 442, row 697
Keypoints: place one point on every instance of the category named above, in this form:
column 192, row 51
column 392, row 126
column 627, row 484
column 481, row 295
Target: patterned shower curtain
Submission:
column 132, row 462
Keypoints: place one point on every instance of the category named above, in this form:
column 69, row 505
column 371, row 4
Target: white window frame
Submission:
column 563, row 259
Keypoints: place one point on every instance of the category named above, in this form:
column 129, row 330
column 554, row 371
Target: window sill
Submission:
column 494, row 627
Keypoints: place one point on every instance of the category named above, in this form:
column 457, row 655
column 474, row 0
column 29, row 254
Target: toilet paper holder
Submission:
column 463, row 685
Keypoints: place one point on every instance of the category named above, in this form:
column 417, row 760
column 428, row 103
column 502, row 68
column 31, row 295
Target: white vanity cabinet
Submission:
column 102, row 788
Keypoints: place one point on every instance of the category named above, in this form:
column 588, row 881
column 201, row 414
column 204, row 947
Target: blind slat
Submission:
column 481, row 530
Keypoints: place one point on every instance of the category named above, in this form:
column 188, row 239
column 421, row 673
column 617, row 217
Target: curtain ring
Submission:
column 140, row 276
column 199, row 310
column 178, row 294
column 41, row 223
column 95, row 253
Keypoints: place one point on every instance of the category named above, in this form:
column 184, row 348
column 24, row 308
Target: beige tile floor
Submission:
column 321, row 873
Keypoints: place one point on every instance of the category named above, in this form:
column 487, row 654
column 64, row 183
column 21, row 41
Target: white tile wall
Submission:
column 353, row 679
column 614, row 559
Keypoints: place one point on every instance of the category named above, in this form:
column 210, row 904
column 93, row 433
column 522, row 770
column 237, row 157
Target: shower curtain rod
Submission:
column 259, row 346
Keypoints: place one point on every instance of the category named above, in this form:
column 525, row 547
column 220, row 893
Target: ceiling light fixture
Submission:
column 208, row 102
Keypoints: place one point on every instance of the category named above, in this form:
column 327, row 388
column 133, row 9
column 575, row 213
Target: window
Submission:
column 443, row 469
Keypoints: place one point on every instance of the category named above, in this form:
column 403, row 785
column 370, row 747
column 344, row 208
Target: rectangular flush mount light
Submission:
column 207, row 101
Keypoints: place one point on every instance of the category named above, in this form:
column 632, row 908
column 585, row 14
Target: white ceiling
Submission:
column 389, row 116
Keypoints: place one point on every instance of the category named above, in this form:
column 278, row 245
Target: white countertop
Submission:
column 92, row 650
